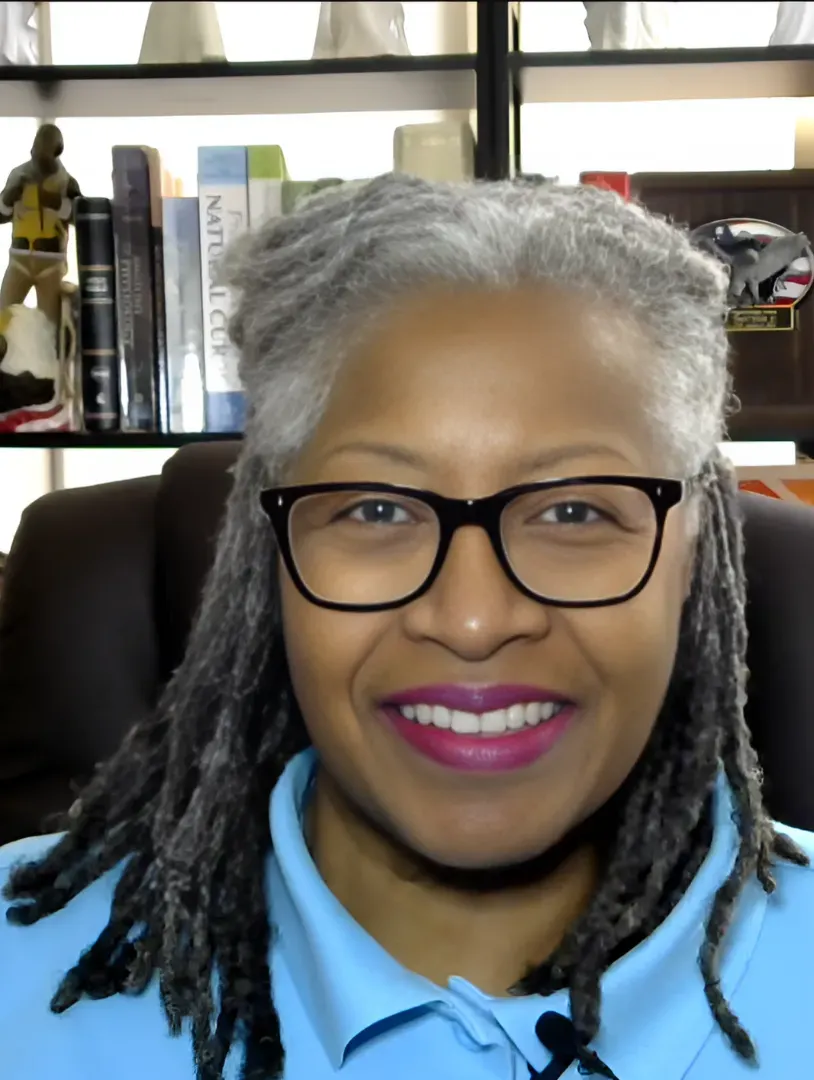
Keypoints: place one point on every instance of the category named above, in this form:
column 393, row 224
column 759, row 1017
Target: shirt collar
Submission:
column 652, row 997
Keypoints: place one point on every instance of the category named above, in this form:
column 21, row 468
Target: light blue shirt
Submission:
column 348, row 1008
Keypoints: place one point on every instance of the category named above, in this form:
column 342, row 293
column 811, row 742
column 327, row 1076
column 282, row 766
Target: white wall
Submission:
column 24, row 476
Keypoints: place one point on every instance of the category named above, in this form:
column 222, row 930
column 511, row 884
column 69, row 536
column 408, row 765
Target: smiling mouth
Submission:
column 480, row 728
column 516, row 718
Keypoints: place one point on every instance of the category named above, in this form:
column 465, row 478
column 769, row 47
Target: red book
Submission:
column 611, row 181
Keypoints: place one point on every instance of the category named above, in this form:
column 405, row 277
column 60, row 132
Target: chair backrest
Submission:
column 102, row 588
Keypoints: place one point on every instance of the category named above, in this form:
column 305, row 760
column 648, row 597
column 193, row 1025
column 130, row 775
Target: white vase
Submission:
column 362, row 29
column 181, row 33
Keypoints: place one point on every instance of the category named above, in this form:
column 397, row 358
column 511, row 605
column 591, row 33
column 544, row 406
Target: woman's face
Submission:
column 466, row 394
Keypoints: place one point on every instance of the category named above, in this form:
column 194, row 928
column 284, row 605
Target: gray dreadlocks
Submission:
column 183, row 805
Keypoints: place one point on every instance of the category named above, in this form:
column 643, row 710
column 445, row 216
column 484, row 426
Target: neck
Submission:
column 488, row 927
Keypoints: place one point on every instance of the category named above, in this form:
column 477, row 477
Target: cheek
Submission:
column 631, row 649
column 325, row 651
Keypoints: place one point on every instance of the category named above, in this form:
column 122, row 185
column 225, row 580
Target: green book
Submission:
column 267, row 173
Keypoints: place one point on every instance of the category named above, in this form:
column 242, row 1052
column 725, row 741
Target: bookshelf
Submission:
column 492, row 84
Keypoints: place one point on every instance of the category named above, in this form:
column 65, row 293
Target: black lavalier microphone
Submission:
column 559, row 1036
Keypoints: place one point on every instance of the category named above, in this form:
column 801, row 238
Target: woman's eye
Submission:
column 379, row 512
column 571, row 513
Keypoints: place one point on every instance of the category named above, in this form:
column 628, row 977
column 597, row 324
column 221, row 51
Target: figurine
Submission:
column 38, row 201
column 18, row 34
column 612, row 25
column 794, row 24
column 32, row 389
column 181, row 33
column 361, row 29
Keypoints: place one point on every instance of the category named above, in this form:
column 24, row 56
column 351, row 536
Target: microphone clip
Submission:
column 559, row 1036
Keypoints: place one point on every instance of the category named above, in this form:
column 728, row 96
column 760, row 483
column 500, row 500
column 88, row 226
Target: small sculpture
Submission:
column 38, row 201
column 181, row 32
column 360, row 29
column 19, row 45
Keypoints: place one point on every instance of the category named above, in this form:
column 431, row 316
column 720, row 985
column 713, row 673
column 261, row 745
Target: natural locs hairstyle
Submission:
column 183, row 805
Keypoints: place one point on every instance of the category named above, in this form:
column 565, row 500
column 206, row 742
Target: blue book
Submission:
column 223, row 211
column 183, row 303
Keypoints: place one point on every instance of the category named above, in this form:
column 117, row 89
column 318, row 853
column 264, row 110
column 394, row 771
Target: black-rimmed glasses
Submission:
column 584, row 542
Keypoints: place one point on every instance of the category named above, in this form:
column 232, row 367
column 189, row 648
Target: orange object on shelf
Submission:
column 793, row 483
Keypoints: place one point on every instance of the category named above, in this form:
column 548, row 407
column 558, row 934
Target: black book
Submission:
column 98, row 345
column 135, row 287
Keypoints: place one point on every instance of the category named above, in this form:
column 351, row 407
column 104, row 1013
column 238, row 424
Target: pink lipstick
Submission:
column 480, row 728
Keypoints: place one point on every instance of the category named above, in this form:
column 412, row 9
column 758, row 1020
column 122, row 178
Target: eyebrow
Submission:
column 544, row 459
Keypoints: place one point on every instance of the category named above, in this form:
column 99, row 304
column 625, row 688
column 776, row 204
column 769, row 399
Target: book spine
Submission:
column 267, row 171
column 184, row 314
column 159, row 315
column 223, row 212
column 98, row 346
column 134, row 287
column 610, row 181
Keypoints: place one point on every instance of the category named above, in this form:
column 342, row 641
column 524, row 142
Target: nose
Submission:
column 473, row 609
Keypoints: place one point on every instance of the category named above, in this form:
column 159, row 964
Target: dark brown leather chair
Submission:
column 103, row 582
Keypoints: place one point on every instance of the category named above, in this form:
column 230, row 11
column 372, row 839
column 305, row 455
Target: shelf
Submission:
column 125, row 440
column 382, row 84
column 665, row 74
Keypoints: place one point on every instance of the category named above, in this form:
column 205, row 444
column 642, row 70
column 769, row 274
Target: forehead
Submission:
column 479, row 378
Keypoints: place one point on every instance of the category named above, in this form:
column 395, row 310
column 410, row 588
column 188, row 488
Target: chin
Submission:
column 474, row 852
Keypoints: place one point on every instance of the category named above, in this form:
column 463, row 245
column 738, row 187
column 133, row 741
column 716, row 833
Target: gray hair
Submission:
column 307, row 285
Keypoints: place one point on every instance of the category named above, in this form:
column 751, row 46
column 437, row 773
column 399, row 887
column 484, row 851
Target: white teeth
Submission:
column 441, row 717
column 493, row 723
column 465, row 723
column 516, row 717
column 496, row 722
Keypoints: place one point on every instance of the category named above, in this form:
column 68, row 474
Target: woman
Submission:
column 461, row 753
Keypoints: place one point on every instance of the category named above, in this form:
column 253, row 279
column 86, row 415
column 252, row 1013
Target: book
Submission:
column 159, row 316
column 608, row 181
column 223, row 206
column 98, row 344
column 132, row 232
column 184, row 314
column 267, row 171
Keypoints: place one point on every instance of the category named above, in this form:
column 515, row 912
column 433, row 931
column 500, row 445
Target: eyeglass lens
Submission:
column 580, row 543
